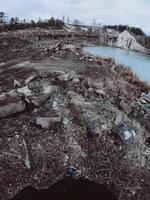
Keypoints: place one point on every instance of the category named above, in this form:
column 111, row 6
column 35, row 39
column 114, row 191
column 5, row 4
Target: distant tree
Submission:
column 51, row 21
column 2, row 17
column 12, row 20
column 24, row 21
column 122, row 28
column 16, row 24
column 17, row 20
column 33, row 23
column 59, row 24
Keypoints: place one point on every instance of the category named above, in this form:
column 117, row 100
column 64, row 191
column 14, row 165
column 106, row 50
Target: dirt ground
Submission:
column 85, row 92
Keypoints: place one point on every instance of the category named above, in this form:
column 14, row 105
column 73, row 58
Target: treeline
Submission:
column 121, row 28
column 16, row 24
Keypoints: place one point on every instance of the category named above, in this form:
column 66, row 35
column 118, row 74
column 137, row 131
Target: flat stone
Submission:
column 10, row 108
column 17, row 83
column 48, row 122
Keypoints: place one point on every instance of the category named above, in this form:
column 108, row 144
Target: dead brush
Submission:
column 109, row 60
column 127, row 74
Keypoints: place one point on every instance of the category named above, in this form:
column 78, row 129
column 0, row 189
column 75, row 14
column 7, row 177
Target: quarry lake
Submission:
column 139, row 63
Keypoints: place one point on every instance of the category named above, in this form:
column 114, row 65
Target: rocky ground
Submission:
column 61, row 107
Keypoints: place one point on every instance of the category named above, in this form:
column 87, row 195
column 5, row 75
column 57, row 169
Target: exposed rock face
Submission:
column 127, row 41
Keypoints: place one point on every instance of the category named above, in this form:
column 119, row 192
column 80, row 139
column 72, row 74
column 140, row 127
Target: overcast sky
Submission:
column 130, row 12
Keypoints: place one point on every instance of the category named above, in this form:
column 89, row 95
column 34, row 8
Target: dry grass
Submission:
column 127, row 74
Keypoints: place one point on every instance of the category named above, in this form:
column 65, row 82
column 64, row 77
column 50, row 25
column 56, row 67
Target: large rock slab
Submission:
column 11, row 106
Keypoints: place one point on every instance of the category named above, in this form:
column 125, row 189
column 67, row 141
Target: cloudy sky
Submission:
column 130, row 12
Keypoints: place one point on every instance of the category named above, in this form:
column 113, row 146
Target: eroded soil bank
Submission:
column 60, row 107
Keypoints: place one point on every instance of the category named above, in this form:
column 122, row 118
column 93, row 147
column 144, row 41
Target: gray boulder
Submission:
column 125, row 133
column 48, row 122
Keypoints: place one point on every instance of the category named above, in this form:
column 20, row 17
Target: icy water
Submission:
column 139, row 63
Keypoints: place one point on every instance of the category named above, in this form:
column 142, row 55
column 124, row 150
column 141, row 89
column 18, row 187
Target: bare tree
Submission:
column 2, row 17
